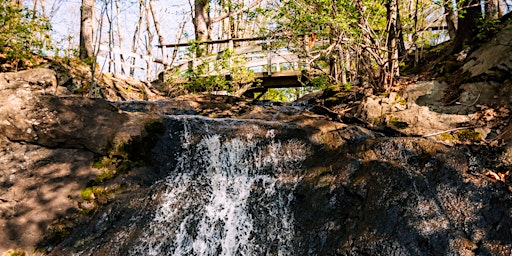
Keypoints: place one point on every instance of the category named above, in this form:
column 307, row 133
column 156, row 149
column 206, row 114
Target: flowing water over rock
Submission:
column 221, row 186
column 226, row 189
column 226, row 196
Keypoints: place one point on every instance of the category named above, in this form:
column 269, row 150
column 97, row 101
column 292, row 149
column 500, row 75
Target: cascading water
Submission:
column 228, row 194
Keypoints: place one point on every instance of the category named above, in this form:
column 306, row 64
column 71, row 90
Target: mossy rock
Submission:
column 464, row 135
column 398, row 124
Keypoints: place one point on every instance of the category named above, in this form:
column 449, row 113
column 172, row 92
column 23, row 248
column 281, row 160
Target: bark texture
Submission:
column 86, row 29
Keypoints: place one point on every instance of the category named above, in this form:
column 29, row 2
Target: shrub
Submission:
column 22, row 34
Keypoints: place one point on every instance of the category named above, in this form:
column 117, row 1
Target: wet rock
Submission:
column 362, row 195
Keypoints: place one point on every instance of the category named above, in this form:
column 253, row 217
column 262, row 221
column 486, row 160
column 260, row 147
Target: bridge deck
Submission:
column 282, row 79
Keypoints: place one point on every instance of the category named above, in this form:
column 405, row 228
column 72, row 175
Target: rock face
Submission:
column 493, row 60
column 30, row 115
column 47, row 147
column 37, row 186
column 403, row 196
column 358, row 194
column 255, row 179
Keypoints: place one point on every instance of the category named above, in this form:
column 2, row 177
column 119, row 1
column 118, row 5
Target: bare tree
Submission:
column 202, row 23
column 119, row 34
column 392, row 44
column 149, row 41
column 136, row 40
column 86, row 29
column 158, row 29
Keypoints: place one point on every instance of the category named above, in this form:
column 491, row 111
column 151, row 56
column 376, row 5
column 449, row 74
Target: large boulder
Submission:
column 47, row 147
column 31, row 115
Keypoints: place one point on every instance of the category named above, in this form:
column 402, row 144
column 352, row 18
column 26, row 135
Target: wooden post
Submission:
column 269, row 59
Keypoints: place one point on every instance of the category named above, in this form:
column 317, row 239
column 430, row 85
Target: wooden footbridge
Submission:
column 272, row 68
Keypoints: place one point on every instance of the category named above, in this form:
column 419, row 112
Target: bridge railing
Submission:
column 257, row 58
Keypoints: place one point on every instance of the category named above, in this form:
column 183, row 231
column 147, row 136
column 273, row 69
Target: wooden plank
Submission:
column 220, row 41
column 286, row 73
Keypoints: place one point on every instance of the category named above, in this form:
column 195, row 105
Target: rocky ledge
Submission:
column 76, row 170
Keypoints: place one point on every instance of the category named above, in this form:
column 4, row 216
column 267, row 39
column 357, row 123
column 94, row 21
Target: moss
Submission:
column 468, row 135
column 124, row 156
column 465, row 135
column 448, row 137
column 87, row 194
column 398, row 124
column 120, row 159
column 339, row 94
column 96, row 194
column 331, row 99
column 124, row 167
column 377, row 120
column 104, row 162
column 450, row 66
column 92, row 193
column 107, row 174
column 79, row 90
column 400, row 100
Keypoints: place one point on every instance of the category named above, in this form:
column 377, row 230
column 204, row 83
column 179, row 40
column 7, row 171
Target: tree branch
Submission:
column 230, row 14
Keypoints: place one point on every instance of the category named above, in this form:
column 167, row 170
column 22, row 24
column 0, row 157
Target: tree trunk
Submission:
column 451, row 19
column 136, row 41
column 86, row 29
column 392, row 70
column 202, row 24
column 493, row 10
column 371, row 62
column 159, row 34
column 467, row 24
column 149, row 42
column 402, row 51
column 120, row 36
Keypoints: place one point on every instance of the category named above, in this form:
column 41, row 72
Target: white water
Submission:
column 226, row 197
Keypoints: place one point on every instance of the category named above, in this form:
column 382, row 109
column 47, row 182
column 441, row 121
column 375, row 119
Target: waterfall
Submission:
column 228, row 194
